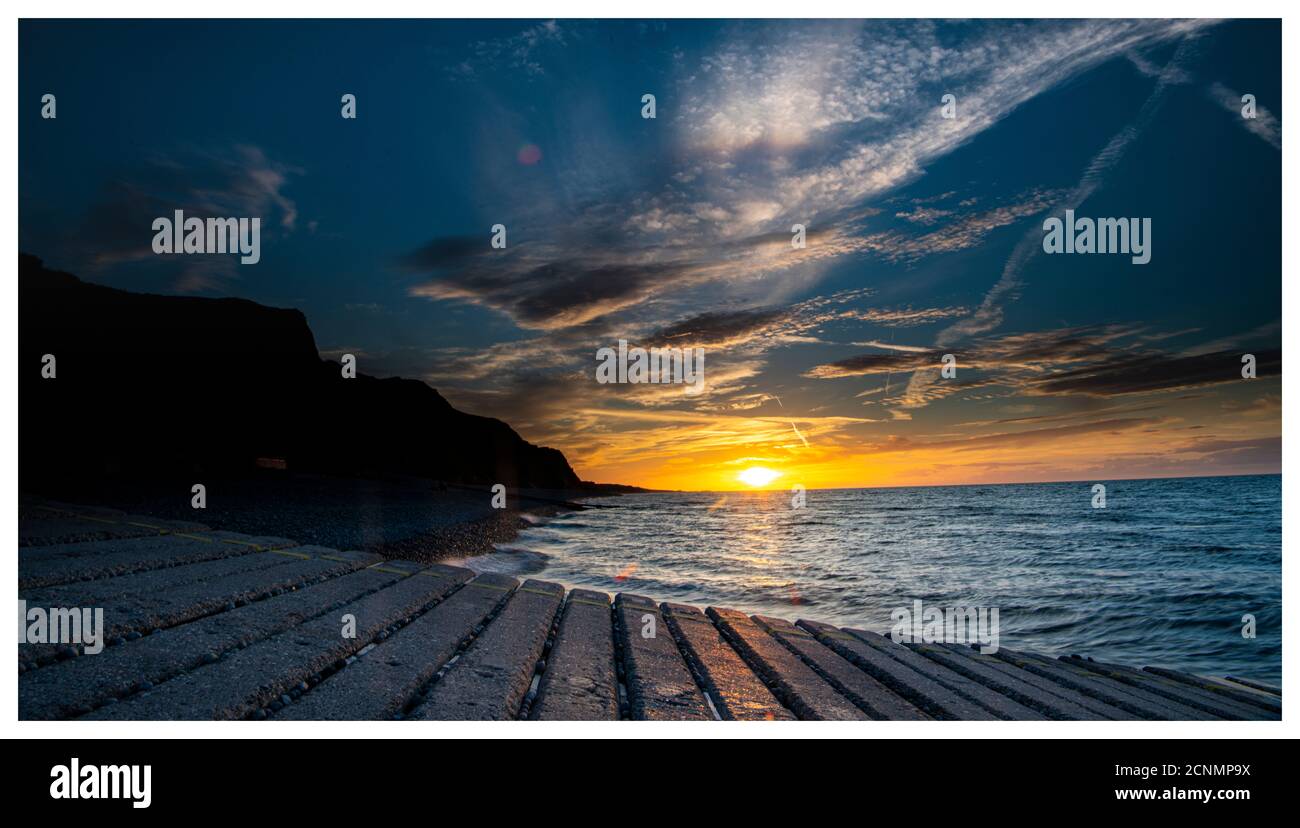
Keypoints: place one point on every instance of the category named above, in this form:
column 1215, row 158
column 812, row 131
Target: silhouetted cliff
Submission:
column 148, row 385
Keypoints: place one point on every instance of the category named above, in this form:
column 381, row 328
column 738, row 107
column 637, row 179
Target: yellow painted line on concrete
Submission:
column 698, row 619
column 56, row 510
column 490, row 586
column 193, row 537
column 381, row 568
column 258, row 547
column 838, row 636
column 789, row 633
column 604, row 604
column 289, row 553
column 538, row 592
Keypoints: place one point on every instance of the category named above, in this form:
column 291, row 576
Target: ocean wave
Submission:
column 507, row 560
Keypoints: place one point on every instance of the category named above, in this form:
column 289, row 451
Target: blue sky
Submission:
column 924, row 233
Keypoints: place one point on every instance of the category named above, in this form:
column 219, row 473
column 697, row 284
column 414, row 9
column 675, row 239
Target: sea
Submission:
column 1182, row 573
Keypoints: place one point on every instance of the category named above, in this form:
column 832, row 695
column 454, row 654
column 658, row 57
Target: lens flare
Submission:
column 529, row 154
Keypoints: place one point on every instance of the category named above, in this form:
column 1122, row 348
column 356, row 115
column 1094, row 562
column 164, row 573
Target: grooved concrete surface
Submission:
column 199, row 624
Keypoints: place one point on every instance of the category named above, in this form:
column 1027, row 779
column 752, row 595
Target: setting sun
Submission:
column 757, row 476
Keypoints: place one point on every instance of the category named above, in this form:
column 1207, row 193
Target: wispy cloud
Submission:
column 1264, row 125
column 988, row 316
column 961, row 232
column 242, row 182
column 521, row 52
column 782, row 124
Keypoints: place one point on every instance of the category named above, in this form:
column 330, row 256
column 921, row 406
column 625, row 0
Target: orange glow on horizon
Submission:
column 1142, row 450
column 722, row 450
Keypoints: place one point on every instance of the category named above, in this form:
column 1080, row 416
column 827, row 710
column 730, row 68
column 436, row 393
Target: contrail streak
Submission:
column 792, row 425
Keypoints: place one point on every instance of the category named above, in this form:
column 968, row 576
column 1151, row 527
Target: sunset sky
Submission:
column 822, row 364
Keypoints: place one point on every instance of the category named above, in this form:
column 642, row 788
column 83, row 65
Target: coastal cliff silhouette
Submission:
column 147, row 386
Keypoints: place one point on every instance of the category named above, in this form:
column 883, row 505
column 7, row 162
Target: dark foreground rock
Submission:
column 149, row 385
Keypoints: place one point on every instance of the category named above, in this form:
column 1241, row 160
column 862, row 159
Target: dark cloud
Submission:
column 571, row 289
column 536, row 290
column 1143, row 373
column 1101, row 362
column 869, row 364
column 719, row 327
column 447, row 251
column 1041, row 349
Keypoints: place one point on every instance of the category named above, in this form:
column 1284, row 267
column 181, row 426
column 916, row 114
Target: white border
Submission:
column 546, row 9
column 648, row 9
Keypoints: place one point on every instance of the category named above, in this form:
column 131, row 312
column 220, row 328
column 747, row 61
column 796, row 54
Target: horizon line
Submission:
column 950, row 485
